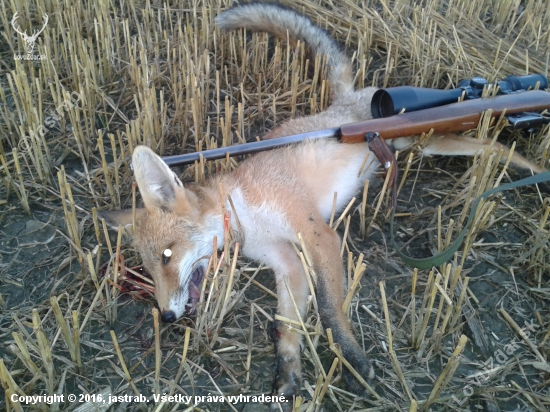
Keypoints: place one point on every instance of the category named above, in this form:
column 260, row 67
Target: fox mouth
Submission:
column 194, row 290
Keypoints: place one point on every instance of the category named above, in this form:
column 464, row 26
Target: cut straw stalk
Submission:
column 363, row 216
column 439, row 332
column 425, row 310
column 523, row 335
column 447, row 373
column 405, row 172
column 97, row 296
column 458, row 307
column 71, row 219
column 413, row 306
column 97, row 230
column 344, row 361
column 119, row 262
column 208, row 314
column 306, row 255
column 175, row 382
column 344, row 213
column 318, row 386
column 23, row 195
column 311, row 346
column 10, row 387
column 229, row 287
column 310, row 276
column 64, row 327
column 333, row 210
column 383, row 193
column 250, row 340
column 123, row 363
column 91, row 269
column 106, row 172
column 446, row 269
column 358, row 272
column 25, row 356
column 8, row 179
column 326, row 382
column 44, row 350
column 116, row 170
column 395, row 361
column 292, row 322
column 134, row 225
column 345, row 237
column 259, row 285
column 158, row 354
column 76, row 338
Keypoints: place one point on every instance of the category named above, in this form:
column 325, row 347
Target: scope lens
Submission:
column 382, row 104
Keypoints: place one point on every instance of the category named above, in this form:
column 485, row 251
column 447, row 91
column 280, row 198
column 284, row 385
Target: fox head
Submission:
column 172, row 234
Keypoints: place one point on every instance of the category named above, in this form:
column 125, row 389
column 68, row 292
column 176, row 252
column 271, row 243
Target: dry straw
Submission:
column 163, row 76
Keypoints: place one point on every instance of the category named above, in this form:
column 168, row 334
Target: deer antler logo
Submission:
column 30, row 40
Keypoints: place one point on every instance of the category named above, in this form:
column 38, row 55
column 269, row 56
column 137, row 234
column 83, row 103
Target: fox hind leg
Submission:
column 323, row 246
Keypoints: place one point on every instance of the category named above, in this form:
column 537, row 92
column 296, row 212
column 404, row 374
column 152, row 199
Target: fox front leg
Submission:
column 292, row 288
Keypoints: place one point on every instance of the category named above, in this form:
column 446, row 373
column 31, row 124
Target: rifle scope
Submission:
column 391, row 101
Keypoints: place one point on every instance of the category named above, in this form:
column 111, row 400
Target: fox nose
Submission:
column 168, row 317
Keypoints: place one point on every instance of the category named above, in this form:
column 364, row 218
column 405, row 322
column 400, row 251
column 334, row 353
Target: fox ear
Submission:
column 116, row 218
column 157, row 183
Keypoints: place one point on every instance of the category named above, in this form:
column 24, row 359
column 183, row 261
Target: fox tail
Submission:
column 282, row 22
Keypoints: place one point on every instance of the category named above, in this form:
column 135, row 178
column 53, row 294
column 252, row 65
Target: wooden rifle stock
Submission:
column 455, row 117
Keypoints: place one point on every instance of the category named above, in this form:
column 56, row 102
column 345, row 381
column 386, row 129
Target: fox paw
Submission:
column 287, row 382
column 365, row 369
column 286, row 387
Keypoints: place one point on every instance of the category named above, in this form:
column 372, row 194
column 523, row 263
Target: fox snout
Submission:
column 187, row 298
column 183, row 301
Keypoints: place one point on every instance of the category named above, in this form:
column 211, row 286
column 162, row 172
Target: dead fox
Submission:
column 275, row 196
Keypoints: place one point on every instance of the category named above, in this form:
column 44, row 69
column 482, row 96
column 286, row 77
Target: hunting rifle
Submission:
column 424, row 109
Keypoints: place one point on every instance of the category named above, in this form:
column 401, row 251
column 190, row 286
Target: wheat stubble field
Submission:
column 76, row 316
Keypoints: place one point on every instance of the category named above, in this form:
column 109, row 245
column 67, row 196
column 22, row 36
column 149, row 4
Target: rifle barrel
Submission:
column 247, row 148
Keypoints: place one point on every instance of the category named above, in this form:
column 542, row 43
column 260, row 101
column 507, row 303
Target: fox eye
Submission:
column 166, row 255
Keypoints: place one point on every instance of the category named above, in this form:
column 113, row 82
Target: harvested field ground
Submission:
column 473, row 335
